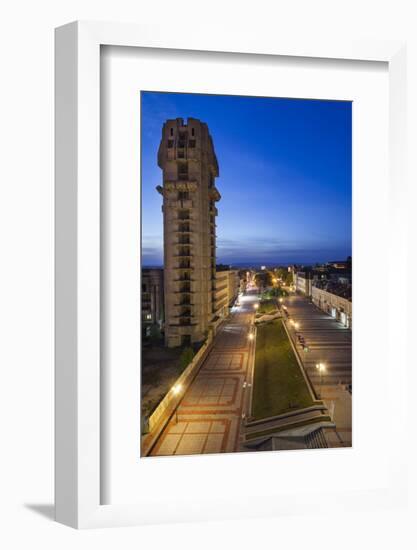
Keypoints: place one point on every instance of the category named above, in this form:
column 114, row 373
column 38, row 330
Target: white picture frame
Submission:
column 78, row 410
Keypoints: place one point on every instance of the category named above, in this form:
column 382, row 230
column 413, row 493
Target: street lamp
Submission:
column 321, row 367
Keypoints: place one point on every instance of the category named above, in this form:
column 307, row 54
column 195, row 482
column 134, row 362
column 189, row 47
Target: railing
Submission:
column 167, row 406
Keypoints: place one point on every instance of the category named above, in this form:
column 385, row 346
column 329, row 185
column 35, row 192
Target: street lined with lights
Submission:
column 325, row 348
column 209, row 416
column 329, row 343
column 216, row 407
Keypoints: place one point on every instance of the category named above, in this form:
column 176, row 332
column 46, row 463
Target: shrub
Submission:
column 186, row 357
column 155, row 334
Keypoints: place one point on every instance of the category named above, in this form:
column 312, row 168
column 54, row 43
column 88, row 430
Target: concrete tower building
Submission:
column 189, row 165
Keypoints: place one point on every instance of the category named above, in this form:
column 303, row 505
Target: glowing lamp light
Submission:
column 321, row 367
column 250, row 336
column 256, row 306
column 176, row 389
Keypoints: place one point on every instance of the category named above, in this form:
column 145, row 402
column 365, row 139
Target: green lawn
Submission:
column 267, row 306
column 279, row 385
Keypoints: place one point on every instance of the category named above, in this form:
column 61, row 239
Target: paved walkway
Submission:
column 329, row 342
column 209, row 417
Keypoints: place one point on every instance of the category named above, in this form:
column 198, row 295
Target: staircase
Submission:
column 316, row 440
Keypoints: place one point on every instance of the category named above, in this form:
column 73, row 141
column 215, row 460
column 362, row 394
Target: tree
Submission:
column 186, row 357
column 154, row 334
column 263, row 279
column 284, row 275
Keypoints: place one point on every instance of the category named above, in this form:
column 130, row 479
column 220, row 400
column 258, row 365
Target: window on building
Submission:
column 181, row 140
column 183, row 195
column 171, row 131
column 183, row 171
column 193, row 132
column 191, row 143
column 170, row 143
column 183, row 215
column 144, row 287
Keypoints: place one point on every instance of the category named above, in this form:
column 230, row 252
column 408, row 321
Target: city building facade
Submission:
column 152, row 298
column 227, row 291
column 189, row 166
column 303, row 282
column 337, row 306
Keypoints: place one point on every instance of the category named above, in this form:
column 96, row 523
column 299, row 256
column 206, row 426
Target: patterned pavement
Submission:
column 209, row 417
column 329, row 342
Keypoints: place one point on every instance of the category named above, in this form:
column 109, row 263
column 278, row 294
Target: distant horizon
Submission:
column 285, row 176
column 258, row 264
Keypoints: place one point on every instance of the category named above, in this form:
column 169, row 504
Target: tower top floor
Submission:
column 187, row 141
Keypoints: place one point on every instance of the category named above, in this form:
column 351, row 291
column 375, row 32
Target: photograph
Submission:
column 246, row 274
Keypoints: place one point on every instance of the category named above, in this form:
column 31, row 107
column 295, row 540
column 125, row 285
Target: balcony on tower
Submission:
column 184, row 239
column 184, row 300
column 184, row 276
column 183, row 252
column 183, row 228
column 185, row 315
column 184, row 215
column 179, row 204
column 184, row 288
column 184, row 263
column 182, row 171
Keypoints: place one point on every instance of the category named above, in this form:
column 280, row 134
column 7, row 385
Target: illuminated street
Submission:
column 329, row 343
column 209, row 417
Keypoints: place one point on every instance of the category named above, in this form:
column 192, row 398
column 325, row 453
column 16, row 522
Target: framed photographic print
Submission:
column 220, row 206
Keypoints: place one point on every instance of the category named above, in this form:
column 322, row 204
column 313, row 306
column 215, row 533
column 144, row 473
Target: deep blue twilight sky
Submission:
column 285, row 176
